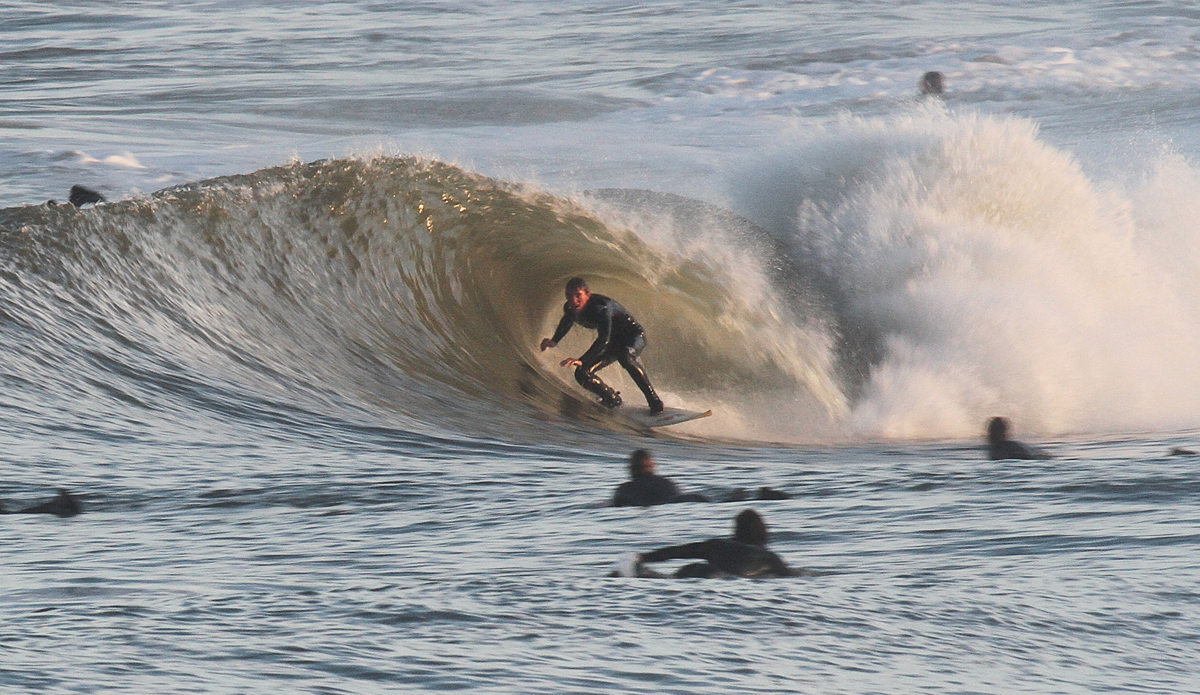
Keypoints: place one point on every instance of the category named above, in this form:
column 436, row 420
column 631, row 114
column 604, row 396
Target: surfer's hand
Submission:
column 571, row 362
column 548, row 343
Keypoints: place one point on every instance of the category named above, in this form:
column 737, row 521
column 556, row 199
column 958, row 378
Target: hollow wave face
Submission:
column 974, row 270
column 388, row 291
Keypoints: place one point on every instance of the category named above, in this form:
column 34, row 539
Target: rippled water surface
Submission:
column 340, row 571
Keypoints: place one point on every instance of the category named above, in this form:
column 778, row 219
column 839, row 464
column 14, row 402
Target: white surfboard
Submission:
column 626, row 565
column 669, row 416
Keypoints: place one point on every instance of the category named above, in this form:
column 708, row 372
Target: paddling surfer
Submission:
column 64, row 505
column 744, row 555
column 619, row 338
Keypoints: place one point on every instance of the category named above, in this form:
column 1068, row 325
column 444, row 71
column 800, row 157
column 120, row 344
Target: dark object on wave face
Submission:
column 932, row 83
column 82, row 195
column 1000, row 447
column 64, row 505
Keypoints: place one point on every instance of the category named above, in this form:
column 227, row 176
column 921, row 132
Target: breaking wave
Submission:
column 389, row 291
column 903, row 277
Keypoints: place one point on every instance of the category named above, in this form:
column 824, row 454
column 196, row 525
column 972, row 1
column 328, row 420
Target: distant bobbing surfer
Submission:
column 645, row 488
column 932, row 83
column 64, row 505
column 1000, row 447
column 744, row 555
column 619, row 338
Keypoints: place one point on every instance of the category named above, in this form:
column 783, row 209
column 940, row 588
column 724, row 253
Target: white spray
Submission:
column 992, row 276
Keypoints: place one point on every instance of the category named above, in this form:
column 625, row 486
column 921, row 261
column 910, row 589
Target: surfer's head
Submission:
column 641, row 463
column 577, row 293
column 82, row 195
column 997, row 430
column 931, row 83
column 749, row 528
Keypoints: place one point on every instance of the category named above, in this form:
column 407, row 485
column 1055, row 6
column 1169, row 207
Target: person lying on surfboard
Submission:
column 744, row 555
column 646, row 489
column 619, row 338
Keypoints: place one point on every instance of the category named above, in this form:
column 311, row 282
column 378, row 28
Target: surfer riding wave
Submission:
column 619, row 338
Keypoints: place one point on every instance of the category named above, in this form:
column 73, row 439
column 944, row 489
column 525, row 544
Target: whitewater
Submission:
column 290, row 369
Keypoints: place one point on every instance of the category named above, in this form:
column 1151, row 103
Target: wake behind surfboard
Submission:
column 669, row 416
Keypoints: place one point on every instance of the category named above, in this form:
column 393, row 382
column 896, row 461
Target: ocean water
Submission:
column 290, row 367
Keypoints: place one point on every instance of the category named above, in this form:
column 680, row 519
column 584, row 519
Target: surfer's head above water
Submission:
column 749, row 528
column 932, row 83
column 641, row 463
column 1000, row 447
column 646, row 488
column 997, row 430
column 82, row 195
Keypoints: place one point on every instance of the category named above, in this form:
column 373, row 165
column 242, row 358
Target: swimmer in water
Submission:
column 1000, row 447
column 619, row 338
column 744, row 555
column 932, row 84
column 645, row 488
column 82, row 195
column 64, row 505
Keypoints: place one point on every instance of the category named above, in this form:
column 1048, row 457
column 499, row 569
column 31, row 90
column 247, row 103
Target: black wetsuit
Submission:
column 1011, row 449
column 619, row 338
column 724, row 557
column 649, row 490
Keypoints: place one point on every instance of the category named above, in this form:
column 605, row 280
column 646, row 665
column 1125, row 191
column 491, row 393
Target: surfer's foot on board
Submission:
column 656, row 407
column 612, row 400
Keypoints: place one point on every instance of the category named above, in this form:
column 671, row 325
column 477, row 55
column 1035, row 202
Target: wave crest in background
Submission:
column 391, row 291
column 973, row 270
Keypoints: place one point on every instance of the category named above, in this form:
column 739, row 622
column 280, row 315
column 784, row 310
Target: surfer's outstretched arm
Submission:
column 564, row 325
column 687, row 551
